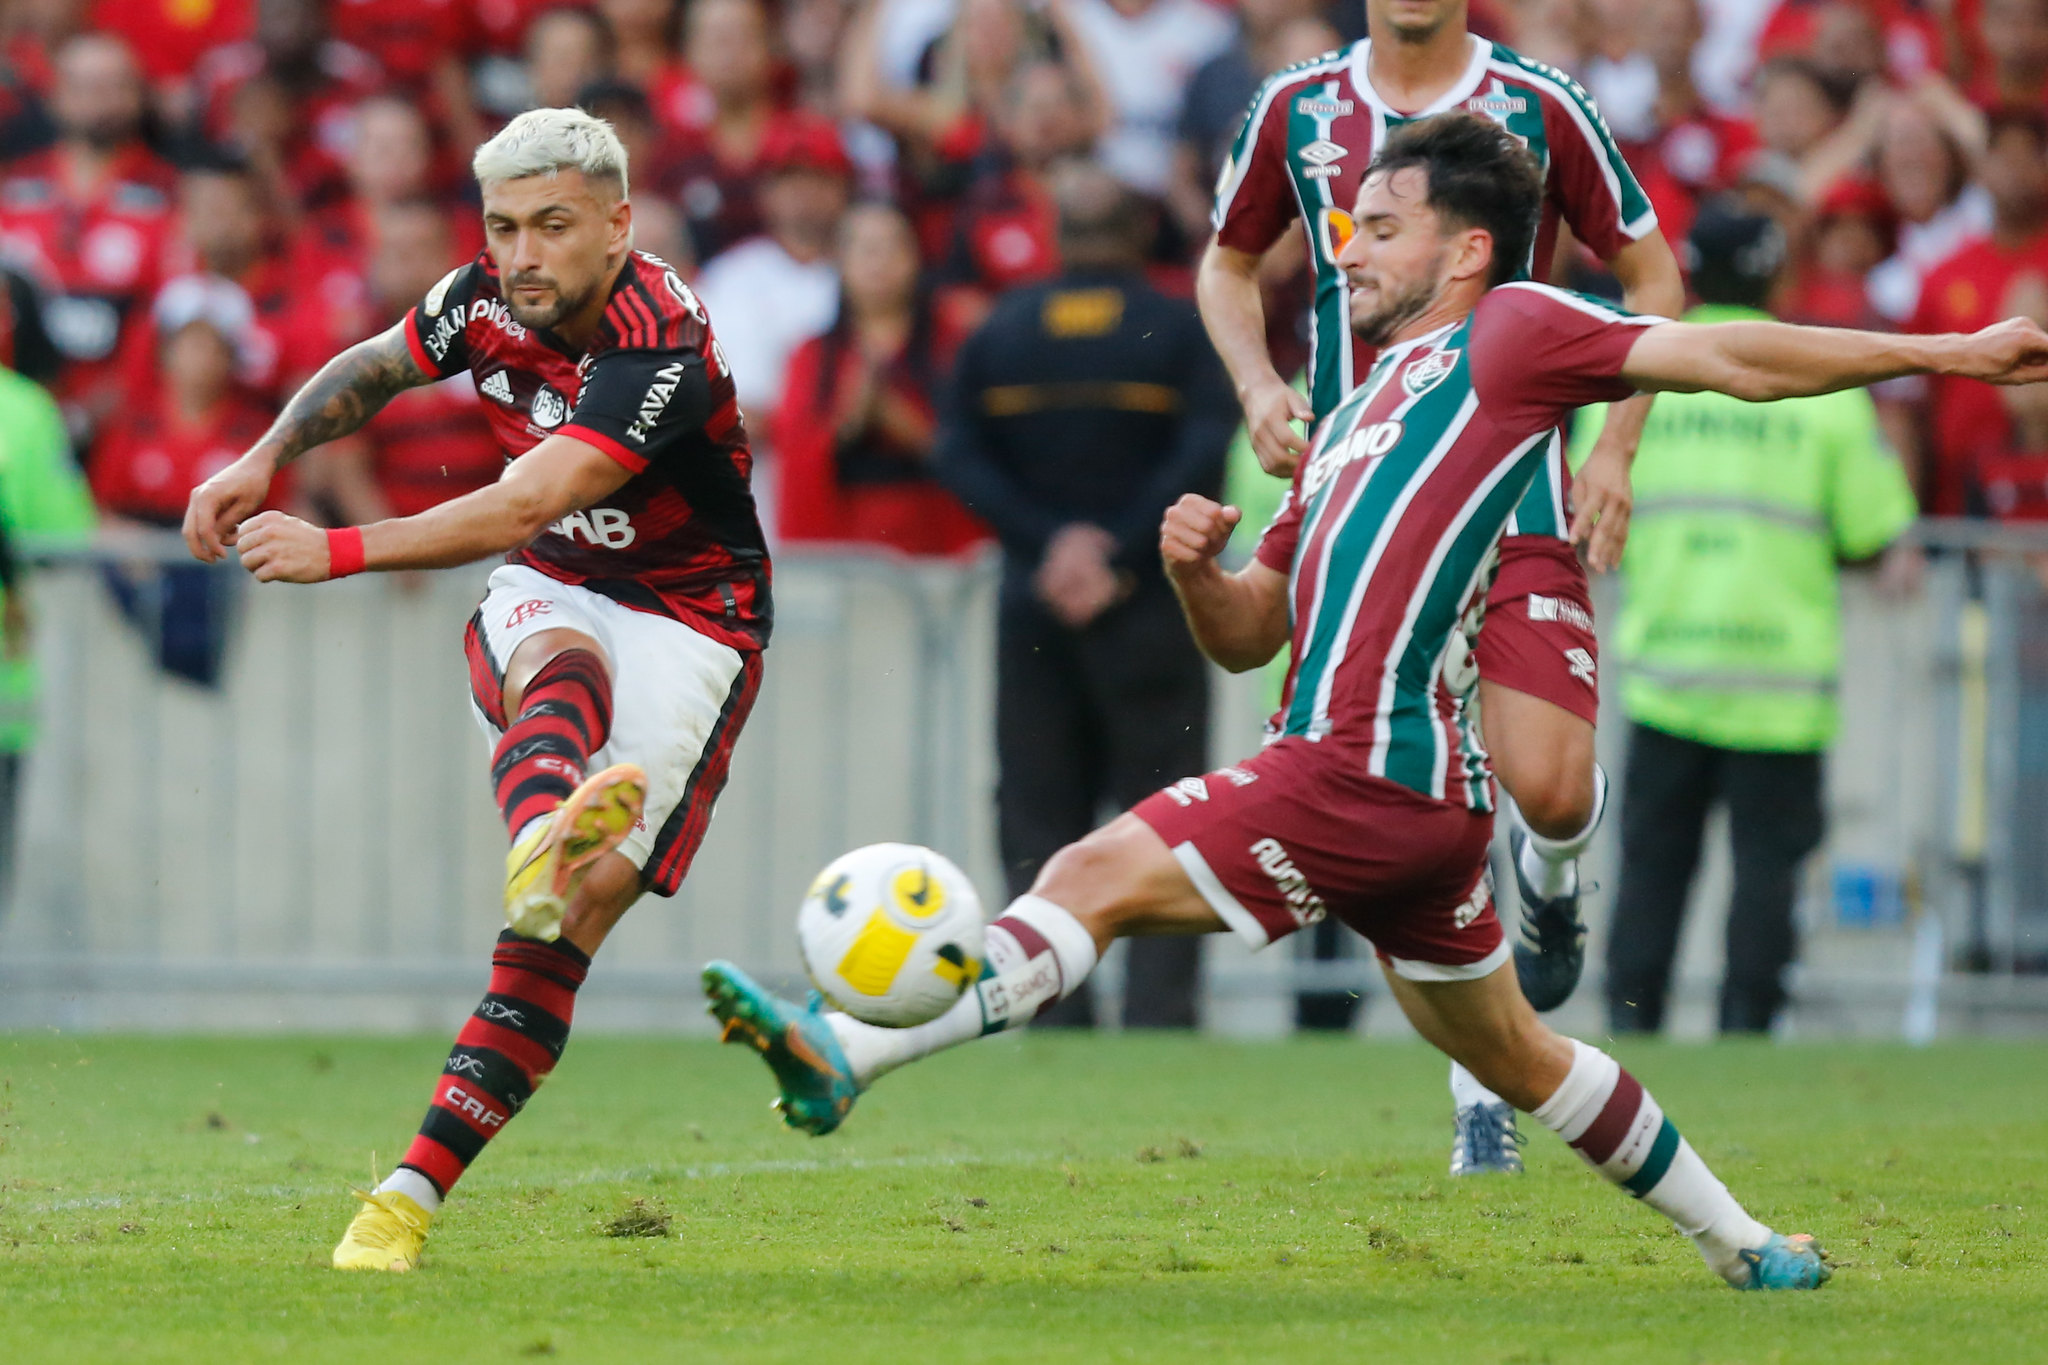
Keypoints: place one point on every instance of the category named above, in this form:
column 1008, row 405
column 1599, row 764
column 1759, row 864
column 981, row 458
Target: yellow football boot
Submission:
column 386, row 1234
column 543, row 869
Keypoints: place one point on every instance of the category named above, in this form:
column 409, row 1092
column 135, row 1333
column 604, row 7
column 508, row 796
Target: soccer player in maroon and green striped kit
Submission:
column 1311, row 131
column 1369, row 801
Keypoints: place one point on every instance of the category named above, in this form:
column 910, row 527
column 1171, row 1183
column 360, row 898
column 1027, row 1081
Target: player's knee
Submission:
column 1094, row 879
column 1522, row 1062
column 1555, row 801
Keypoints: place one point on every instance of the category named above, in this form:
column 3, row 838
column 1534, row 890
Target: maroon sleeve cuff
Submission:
column 636, row 464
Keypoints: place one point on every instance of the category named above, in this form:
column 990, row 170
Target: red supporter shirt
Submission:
column 148, row 462
column 431, row 444
column 500, row 25
column 1004, row 234
column 905, row 509
column 96, row 259
column 1962, row 294
column 681, row 537
column 408, row 38
column 168, row 37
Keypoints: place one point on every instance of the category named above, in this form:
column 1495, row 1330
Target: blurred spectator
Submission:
column 156, row 452
column 2015, row 37
column 42, row 495
column 1271, row 34
column 1146, row 52
column 1861, row 38
column 1854, row 229
column 1003, row 231
column 1693, row 151
column 2009, row 474
column 1730, row 625
column 1968, row 291
column 718, row 144
column 286, row 98
column 812, row 33
column 418, row 45
column 1923, row 164
column 646, row 37
column 566, row 50
column 429, row 444
column 1080, row 410
column 771, row 292
column 857, row 424
column 89, row 219
column 169, row 37
column 1797, row 108
column 657, row 222
column 224, row 229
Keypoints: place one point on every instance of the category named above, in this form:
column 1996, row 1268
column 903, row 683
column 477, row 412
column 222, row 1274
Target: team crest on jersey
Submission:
column 1322, row 156
column 1428, row 372
column 549, row 408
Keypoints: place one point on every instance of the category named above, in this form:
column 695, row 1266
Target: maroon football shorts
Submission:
column 1538, row 637
column 1301, row 830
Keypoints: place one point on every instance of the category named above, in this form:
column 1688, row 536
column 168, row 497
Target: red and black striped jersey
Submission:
column 681, row 537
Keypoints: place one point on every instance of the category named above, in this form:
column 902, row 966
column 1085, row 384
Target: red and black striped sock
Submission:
column 503, row 1053
column 565, row 716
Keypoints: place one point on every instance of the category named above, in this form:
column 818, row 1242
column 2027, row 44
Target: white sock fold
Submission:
column 1621, row 1132
column 1466, row 1090
column 1552, row 865
column 414, row 1186
column 1037, row 953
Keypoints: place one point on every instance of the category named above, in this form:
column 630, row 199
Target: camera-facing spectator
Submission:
column 566, row 51
column 771, row 292
column 2015, row 39
column 1968, row 291
column 1146, row 52
column 1923, row 162
column 720, row 151
column 857, row 424
column 286, row 98
column 226, row 230
column 1003, row 230
column 429, row 444
column 1693, row 150
column 646, row 43
column 89, row 220
column 158, row 449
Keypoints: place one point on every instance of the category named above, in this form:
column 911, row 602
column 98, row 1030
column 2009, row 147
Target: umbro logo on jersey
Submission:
column 1428, row 372
column 1322, row 156
column 498, row 387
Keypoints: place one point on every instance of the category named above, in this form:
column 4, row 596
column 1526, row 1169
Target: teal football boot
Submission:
column 1794, row 1262
column 818, row 1088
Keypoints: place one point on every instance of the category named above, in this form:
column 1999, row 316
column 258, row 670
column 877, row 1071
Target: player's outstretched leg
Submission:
column 560, row 822
column 1585, row 1097
column 505, row 1050
column 1120, row 879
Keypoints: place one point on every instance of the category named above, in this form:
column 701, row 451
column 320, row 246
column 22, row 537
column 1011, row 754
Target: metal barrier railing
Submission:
column 311, row 841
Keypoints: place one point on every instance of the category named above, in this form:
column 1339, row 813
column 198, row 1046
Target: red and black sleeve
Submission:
column 437, row 327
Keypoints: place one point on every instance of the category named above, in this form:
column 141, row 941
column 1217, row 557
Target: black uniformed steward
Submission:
column 1078, row 413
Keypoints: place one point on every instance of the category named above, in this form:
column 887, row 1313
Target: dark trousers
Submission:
column 1774, row 821
column 1094, row 718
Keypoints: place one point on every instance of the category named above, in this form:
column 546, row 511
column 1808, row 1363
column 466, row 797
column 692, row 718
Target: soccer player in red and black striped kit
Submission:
column 618, row 649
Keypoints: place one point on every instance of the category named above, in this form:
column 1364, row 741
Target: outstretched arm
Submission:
column 1765, row 361
column 559, row 476
column 1240, row 619
column 348, row 391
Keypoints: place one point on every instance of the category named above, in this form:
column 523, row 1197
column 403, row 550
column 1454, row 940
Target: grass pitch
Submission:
column 1048, row 1198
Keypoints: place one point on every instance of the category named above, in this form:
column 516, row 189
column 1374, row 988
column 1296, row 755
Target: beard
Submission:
column 1377, row 328
column 545, row 316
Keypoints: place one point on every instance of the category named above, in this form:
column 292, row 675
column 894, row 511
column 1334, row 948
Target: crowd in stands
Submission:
column 202, row 200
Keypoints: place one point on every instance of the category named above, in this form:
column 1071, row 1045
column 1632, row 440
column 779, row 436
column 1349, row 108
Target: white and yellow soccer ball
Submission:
column 891, row 934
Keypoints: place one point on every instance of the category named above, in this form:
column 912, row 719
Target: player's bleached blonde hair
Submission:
column 544, row 141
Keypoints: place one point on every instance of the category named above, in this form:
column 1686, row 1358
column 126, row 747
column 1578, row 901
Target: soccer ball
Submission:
column 891, row 934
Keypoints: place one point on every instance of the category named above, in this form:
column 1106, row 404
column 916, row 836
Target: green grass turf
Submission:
column 1049, row 1198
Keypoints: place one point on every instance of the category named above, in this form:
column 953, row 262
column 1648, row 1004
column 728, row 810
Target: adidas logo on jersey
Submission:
column 498, row 387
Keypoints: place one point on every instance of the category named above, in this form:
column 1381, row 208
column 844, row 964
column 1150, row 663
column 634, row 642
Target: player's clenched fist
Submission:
column 281, row 549
column 222, row 503
column 1195, row 531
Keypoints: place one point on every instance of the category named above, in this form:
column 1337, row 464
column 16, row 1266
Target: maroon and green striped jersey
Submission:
column 1314, row 128
column 1388, row 534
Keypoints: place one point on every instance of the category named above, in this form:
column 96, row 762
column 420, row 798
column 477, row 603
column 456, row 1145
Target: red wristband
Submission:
column 344, row 551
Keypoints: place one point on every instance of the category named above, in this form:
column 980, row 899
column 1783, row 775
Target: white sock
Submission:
column 1466, row 1090
column 414, row 1186
column 1607, row 1116
column 1552, row 865
column 1038, row 954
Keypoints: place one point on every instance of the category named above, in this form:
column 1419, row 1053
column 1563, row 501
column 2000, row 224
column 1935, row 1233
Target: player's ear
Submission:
column 1471, row 254
column 621, row 237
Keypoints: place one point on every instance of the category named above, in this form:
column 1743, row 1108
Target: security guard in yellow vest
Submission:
column 1729, row 640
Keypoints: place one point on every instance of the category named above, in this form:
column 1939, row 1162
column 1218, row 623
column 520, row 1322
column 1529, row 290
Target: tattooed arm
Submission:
column 347, row 392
